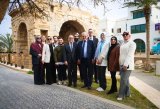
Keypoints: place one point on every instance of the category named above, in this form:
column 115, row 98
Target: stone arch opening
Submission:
column 140, row 45
column 70, row 28
column 22, row 40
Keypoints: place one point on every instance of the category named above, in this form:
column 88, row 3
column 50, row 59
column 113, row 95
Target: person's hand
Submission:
column 65, row 62
column 42, row 62
column 78, row 62
column 99, row 61
column 39, row 55
column 93, row 61
column 124, row 68
column 56, row 64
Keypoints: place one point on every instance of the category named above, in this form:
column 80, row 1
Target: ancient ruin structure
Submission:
column 61, row 22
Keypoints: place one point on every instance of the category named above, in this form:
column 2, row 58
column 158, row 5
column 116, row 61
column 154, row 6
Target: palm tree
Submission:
column 7, row 43
column 145, row 5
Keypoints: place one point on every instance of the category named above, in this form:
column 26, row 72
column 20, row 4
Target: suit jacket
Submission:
column 90, row 50
column 46, row 53
column 127, row 50
column 71, row 56
column 35, row 49
column 95, row 41
column 52, row 53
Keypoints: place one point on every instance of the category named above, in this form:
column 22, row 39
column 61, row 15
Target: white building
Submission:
column 135, row 24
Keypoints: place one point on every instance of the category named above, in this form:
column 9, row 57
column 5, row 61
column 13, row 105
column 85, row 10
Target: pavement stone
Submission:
column 17, row 91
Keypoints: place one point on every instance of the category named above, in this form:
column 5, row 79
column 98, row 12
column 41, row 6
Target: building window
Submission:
column 157, row 26
column 119, row 30
column 138, row 28
column 112, row 30
column 138, row 14
column 52, row 8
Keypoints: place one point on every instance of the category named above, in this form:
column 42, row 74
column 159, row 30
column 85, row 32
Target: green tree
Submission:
column 145, row 5
column 7, row 43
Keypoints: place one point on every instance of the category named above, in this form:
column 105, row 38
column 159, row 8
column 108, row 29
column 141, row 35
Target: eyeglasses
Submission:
column 38, row 38
column 49, row 39
column 125, row 35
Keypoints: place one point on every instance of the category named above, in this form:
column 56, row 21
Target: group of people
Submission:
column 55, row 62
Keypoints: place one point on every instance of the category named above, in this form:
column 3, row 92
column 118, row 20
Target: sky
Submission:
column 115, row 11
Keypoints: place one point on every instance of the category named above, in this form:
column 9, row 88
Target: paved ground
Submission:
column 147, row 84
column 17, row 91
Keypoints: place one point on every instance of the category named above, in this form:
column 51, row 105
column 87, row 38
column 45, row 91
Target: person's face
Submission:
column 43, row 38
column 113, row 41
column 102, row 37
column 60, row 41
column 55, row 39
column 50, row 40
column 70, row 38
column 85, row 36
column 38, row 39
column 126, row 37
column 90, row 32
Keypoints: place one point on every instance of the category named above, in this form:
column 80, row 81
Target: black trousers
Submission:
column 87, row 71
column 114, row 81
column 102, row 76
column 48, row 74
column 95, row 73
column 53, row 72
column 61, row 72
column 80, row 71
column 72, row 73
column 38, row 74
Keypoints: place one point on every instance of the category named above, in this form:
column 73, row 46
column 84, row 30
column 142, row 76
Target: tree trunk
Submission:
column 3, row 8
column 147, row 18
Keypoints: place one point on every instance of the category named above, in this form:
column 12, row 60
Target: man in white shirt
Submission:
column 126, row 61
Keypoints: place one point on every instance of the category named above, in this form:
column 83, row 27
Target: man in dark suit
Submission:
column 95, row 41
column 71, row 60
column 85, row 54
column 36, row 52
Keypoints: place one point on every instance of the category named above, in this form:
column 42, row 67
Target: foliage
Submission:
column 137, row 100
column 6, row 42
column 30, row 72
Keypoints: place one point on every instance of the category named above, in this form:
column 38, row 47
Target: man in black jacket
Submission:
column 85, row 54
column 71, row 60
column 95, row 41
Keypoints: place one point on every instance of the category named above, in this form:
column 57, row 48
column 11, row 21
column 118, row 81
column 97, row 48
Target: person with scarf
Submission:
column 101, row 67
column 36, row 52
column 126, row 61
column 113, row 63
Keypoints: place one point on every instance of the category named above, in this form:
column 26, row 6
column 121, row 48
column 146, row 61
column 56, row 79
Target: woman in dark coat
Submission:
column 113, row 63
column 36, row 52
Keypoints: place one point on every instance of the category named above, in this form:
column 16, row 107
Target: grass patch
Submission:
column 30, row 72
column 137, row 100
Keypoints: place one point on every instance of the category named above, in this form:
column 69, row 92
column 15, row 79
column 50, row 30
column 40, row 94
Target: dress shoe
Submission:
column 74, row 85
column 110, row 92
column 84, row 86
column 89, row 87
column 69, row 85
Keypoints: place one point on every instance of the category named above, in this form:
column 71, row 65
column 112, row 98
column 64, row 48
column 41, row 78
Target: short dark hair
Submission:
column 125, row 33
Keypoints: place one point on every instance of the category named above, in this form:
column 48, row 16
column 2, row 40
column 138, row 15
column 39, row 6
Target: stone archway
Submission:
column 22, row 45
column 22, row 40
column 140, row 45
column 70, row 27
